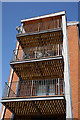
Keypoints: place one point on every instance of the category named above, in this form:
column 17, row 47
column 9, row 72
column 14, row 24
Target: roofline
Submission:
column 44, row 16
column 72, row 23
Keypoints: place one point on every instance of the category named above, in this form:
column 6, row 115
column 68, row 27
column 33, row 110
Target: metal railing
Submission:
column 37, row 52
column 34, row 88
column 41, row 26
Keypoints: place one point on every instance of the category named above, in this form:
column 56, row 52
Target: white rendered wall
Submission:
column 69, row 111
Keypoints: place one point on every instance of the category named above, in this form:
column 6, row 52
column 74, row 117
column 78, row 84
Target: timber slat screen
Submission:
column 40, row 107
column 42, row 39
column 40, row 69
column 42, row 24
column 35, row 88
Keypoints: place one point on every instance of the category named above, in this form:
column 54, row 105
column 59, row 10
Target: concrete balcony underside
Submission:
column 39, row 69
column 50, row 105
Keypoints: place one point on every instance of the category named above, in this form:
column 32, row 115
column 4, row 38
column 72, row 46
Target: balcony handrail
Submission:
column 40, row 26
column 9, row 86
column 35, row 88
column 37, row 52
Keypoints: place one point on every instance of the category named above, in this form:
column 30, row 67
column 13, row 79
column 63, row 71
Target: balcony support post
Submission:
column 31, row 87
column 58, row 49
column 17, row 88
column 58, row 87
column 36, row 53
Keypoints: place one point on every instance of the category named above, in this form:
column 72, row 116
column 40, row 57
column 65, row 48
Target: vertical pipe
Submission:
column 57, row 23
column 63, row 87
column 17, row 88
column 54, row 86
column 58, row 87
column 38, row 27
column 58, row 49
column 42, row 87
column 31, row 87
column 27, row 90
column 36, row 53
column 36, row 87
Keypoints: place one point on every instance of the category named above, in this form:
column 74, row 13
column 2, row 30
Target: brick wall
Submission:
column 73, row 44
column 79, row 84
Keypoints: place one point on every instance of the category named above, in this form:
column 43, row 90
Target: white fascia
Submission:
column 68, row 97
column 44, row 16
column 72, row 23
column 35, row 60
column 33, row 99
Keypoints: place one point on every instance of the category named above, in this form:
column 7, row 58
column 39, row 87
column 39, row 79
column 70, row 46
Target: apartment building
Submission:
column 44, row 81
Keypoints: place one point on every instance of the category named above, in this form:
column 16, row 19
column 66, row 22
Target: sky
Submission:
column 13, row 12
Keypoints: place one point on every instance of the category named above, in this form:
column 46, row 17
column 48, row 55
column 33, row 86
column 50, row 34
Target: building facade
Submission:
column 44, row 81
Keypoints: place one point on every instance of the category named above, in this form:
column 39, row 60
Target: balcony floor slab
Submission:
column 36, row 106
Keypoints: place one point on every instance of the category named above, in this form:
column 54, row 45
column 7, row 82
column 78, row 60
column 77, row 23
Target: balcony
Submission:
column 38, row 63
column 40, row 39
column 30, row 98
column 36, row 70
column 32, row 88
column 40, row 25
column 30, row 53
